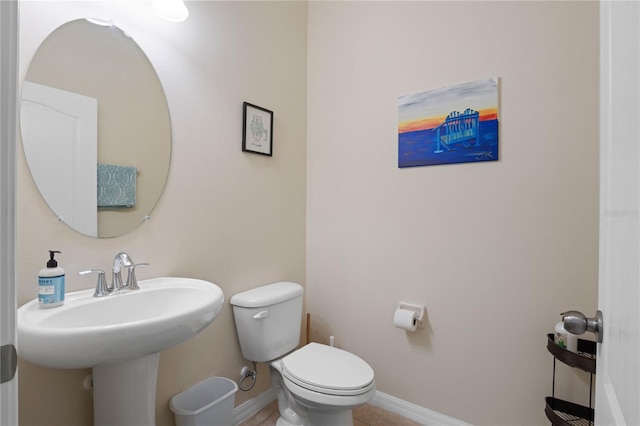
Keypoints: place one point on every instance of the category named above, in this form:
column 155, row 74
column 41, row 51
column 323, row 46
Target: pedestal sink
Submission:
column 119, row 336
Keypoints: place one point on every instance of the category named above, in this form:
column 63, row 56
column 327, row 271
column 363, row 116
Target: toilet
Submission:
column 316, row 385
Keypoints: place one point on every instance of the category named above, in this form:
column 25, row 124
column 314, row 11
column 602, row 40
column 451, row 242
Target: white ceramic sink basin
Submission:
column 89, row 331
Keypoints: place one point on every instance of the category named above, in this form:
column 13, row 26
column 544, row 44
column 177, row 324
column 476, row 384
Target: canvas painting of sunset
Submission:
column 455, row 124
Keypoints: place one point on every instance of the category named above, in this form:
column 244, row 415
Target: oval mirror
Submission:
column 95, row 128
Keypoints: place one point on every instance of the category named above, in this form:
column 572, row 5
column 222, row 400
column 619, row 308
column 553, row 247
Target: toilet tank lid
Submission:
column 267, row 295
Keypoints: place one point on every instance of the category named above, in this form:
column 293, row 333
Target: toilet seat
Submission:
column 328, row 370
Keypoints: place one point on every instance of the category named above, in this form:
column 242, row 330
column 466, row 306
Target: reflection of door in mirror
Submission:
column 66, row 169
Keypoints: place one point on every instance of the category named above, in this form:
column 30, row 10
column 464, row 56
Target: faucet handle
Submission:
column 101, row 286
column 132, row 282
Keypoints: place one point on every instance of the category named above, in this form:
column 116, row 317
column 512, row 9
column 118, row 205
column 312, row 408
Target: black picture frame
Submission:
column 257, row 129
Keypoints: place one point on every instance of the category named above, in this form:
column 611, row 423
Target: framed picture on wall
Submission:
column 454, row 124
column 257, row 129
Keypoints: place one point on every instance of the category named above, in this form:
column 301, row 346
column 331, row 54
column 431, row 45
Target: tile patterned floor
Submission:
column 366, row 415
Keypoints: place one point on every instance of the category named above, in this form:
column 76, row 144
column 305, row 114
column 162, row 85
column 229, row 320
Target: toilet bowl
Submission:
column 320, row 385
column 316, row 385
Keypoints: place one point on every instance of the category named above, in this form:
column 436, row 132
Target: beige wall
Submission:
column 494, row 250
column 232, row 218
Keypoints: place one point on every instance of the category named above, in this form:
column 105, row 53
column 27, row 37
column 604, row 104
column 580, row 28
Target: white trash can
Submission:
column 209, row 403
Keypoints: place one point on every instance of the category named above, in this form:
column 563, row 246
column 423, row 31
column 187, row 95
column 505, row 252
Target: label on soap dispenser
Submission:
column 50, row 290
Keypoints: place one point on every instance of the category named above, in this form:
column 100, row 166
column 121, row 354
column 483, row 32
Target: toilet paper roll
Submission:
column 405, row 319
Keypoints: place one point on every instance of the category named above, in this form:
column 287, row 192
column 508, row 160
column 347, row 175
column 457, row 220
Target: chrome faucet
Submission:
column 123, row 259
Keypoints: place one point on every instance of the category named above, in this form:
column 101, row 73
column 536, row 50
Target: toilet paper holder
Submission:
column 418, row 309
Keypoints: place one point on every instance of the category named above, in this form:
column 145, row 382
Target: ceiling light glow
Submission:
column 171, row 10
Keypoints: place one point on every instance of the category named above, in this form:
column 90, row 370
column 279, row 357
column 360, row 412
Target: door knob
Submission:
column 577, row 323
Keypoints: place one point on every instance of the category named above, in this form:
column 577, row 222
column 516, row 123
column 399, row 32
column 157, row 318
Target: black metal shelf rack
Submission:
column 565, row 413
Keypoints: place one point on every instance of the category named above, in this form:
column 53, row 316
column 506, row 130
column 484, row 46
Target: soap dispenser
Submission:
column 51, row 283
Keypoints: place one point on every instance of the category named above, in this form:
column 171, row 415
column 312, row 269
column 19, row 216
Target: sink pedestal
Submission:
column 124, row 393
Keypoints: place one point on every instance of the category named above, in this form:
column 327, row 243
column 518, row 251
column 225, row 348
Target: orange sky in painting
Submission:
column 431, row 122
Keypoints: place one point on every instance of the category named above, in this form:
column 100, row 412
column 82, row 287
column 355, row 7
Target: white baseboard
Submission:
column 414, row 412
column 248, row 408
column 406, row 409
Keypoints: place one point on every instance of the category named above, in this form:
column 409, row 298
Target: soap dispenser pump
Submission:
column 51, row 283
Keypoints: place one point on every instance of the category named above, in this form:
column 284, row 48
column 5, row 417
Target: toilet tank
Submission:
column 268, row 320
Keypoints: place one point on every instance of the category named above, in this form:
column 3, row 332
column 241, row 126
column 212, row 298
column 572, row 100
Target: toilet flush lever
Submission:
column 261, row 315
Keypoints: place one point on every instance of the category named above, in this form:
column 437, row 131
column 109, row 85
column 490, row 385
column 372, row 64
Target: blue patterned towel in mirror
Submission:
column 116, row 186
